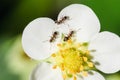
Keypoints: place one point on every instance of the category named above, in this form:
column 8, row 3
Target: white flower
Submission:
column 71, row 56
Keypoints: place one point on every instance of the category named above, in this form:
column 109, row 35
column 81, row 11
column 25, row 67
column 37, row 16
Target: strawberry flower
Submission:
column 71, row 47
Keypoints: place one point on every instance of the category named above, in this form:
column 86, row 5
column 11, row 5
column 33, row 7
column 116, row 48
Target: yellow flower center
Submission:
column 72, row 58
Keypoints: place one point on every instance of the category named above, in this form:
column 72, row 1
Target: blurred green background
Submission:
column 16, row 14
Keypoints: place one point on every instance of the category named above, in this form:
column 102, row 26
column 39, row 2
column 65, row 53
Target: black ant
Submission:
column 53, row 37
column 62, row 20
column 66, row 38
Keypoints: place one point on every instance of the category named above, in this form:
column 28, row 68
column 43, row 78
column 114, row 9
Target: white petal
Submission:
column 81, row 19
column 107, row 46
column 94, row 76
column 44, row 71
column 36, row 36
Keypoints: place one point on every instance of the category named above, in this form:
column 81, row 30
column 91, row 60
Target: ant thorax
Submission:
column 53, row 37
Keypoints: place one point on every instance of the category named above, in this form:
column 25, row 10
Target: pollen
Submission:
column 72, row 58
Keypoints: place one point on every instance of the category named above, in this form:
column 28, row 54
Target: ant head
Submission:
column 55, row 32
column 72, row 31
column 66, row 17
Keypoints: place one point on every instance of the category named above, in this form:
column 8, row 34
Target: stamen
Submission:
column 64, row 76
column 84, row 73
column 54, row 67
column 78, row 45
column 81, row 68
column 71, row 72
column 90, row 64
column 59, row 45
column 53, row 55
column 85, row 59
column 74, row 78
column 62, row 55
column 62, row 67
column 87, row 52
